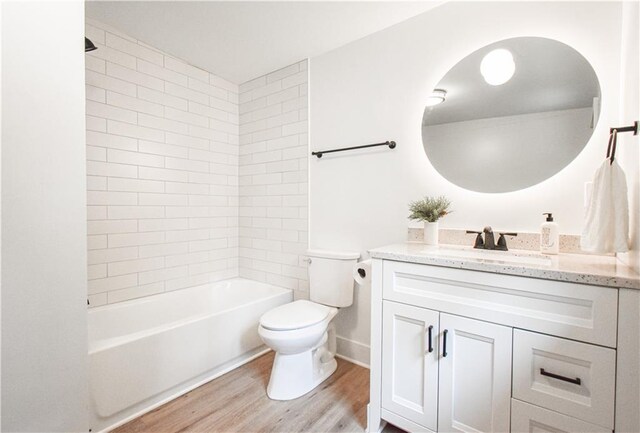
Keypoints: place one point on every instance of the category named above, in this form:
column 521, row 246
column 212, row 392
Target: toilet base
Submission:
column 293, row 376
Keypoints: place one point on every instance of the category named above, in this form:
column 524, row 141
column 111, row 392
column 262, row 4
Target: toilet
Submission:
column 301, row 333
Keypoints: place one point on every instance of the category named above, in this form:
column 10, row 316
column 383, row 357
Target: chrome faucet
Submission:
column 488, row 243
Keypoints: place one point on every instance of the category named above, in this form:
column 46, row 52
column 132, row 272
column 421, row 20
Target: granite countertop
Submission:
column 576, row 268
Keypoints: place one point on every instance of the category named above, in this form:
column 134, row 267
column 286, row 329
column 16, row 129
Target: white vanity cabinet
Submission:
column 458, row 350
column 443, row 372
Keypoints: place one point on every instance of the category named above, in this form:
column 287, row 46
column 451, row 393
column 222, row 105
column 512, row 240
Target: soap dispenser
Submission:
column 549, row 237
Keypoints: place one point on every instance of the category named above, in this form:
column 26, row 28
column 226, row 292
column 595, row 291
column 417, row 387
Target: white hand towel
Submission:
column 606, row 227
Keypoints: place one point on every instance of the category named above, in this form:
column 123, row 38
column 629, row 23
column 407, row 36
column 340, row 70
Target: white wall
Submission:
column 507, row 153
column 44, row 274
column 273, row 178
column 628, row 153
column 0, row 217
column 162, row 166
column 374, row 89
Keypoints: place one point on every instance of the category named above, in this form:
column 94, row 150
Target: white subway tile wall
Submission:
column 162, row 174
column 273, row 178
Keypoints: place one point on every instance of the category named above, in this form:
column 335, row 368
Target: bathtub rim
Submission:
column 97, row 346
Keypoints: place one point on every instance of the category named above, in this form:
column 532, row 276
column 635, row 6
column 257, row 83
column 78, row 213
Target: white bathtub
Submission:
column 146, row 351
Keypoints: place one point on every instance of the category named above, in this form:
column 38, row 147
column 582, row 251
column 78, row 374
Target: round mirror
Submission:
column 511, row 114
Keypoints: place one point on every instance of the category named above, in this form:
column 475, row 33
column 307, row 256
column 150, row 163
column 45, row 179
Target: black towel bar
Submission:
column 391, row 144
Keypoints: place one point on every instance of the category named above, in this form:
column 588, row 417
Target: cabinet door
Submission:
column 475, row 375
column 410, row 364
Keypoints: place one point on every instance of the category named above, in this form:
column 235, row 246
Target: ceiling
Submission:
column 241, row 40
column 549, row 76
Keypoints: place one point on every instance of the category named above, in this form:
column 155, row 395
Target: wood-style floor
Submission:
column 237, row 402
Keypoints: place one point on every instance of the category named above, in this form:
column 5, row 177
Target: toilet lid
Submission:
column 295, row 315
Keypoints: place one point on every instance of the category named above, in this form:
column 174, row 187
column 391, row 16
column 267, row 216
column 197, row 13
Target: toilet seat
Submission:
column 294, row 341
column 295, row 315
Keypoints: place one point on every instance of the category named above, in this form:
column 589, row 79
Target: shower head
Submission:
column 88, row 46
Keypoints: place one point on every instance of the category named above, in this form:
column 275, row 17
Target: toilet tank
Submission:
column 331, row 277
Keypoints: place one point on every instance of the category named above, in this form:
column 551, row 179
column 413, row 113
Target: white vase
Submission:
column 431, row 233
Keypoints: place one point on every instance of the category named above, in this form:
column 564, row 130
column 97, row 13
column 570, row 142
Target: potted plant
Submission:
column 430, row 210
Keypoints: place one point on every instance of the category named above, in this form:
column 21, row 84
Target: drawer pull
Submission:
column 444, row 343
column 575, row 381
column 430, row 338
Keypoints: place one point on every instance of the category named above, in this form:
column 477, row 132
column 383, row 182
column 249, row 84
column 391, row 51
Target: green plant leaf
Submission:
column 429, row 209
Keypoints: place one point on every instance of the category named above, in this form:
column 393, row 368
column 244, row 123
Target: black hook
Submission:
column 633, row 128
column 611, row 148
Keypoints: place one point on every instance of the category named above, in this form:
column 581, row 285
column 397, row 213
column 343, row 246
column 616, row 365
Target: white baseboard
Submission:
column 353, row 361
column 353, row 351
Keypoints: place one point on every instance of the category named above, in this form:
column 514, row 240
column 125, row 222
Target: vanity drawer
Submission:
column 527, row 418
column 577, row 311
column 573, row 378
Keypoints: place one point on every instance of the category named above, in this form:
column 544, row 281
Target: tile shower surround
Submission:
column 174, row 200
column 273, row 178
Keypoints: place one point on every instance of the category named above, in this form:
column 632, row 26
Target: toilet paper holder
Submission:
column 362, row 272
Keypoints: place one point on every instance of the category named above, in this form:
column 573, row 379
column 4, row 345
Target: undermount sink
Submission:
column 495, row 256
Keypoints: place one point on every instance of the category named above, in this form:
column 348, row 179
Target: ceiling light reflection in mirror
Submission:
column 497, row 67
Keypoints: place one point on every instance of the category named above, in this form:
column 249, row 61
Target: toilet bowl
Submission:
column 305, row 351
column 302, row 334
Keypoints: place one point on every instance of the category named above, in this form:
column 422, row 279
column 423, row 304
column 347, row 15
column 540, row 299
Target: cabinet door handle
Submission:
column 429, row 331
column 444, row 343
column 575, row 381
